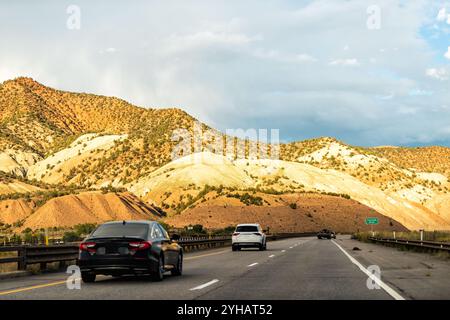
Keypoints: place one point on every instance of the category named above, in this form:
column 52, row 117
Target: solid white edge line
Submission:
column 205, row 285
column 383, row 285
column 253, row 264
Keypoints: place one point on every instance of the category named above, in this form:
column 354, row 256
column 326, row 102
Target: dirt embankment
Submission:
column 67, row 211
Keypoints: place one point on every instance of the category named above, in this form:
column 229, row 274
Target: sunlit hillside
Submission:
column 55, row 145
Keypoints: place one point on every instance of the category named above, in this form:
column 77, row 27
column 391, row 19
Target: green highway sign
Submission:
column 371, row 220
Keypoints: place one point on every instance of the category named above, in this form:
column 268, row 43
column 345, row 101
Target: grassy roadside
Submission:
column 437, row 236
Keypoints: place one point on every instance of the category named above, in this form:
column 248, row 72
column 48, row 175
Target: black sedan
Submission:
column 130, row 247
column 326, row 233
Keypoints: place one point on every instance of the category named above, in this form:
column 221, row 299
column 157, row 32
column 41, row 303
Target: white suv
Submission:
column 248, row 236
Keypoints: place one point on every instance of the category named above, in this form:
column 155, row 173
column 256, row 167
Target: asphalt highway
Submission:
column 297, row 268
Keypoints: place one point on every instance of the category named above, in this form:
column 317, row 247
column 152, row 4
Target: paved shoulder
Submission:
column 414, row 275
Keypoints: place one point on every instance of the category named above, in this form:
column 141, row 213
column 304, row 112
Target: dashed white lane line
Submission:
column 253, row 264
column 202, row 286
column 383, row 285
column 290, row 247
column 205, row 255
column 271, row 256
column 283, row 250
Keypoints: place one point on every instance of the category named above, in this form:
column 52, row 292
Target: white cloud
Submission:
column 345, row 62
column 276, row 55
column 442, row 15
column 447, row 54
column 387, row 97
column 438, row 73
column 205, row 39
column 252, row 64
column 420, row 92
column 109, row 50
column 303, row 57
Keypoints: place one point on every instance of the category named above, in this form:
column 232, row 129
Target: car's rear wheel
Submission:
column 234, row 248
column 158, row 274
column 178, row 270
column 261, row 247
column 88, row 277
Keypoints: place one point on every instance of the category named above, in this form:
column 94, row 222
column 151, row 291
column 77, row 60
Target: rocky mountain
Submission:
column 56, row 145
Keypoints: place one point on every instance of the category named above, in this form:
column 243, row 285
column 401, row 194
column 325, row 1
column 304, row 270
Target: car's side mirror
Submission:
column 265, row 231
column 175, row 237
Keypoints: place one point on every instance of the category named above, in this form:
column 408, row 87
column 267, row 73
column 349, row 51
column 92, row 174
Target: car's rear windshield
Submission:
column 246, row 229
column 135, row 230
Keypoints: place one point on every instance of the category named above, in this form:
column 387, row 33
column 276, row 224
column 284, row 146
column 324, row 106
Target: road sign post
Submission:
column 372, row 221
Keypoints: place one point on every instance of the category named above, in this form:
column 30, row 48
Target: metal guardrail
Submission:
column 279, row 236
column 199, row 243
column 25, row 255
column 435, row 245
column 28, row 255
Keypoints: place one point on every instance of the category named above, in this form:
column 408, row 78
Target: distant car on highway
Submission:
column 248, row 236
column 130, row 247
column 326, row 233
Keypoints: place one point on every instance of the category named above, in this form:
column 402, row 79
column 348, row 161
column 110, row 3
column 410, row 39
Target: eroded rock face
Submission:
column 17, row 162
column 54, row 167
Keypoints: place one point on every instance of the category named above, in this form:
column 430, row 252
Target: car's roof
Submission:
column 130, row 221
column 248, row 224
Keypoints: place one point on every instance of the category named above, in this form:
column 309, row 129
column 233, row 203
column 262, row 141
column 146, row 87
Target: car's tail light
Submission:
column 88, row 246
column 139, row 245
column 235, row 234
column 257, row 234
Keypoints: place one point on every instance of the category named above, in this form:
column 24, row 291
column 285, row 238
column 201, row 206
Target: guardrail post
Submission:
column 62, row 264
column 394, row 235
column 22, row 254
column 421, row 234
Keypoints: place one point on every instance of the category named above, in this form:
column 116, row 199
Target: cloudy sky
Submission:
column 367, row 72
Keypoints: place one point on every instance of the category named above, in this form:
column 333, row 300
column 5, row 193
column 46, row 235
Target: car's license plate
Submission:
column 113, row 250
